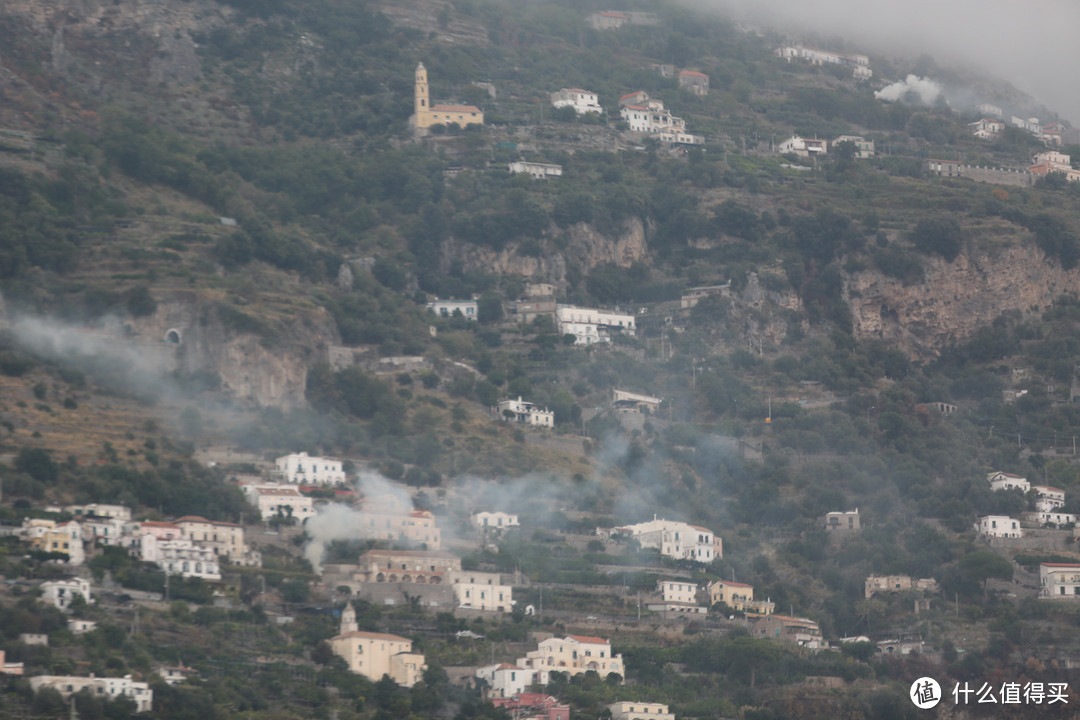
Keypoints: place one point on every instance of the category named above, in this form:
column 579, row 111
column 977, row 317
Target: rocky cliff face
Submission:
column 956, row 298
column 190, row 335
column 586, row 248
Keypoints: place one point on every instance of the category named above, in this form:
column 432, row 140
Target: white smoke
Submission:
column 337, row 521
column 925, row 89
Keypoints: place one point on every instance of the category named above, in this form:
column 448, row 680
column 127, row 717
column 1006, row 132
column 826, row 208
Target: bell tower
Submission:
column 348, row 619
column 422, row 102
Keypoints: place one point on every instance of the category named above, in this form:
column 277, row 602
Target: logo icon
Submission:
column 925, row 693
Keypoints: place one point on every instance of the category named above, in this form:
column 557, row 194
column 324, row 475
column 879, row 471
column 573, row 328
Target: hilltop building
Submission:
column 673, row 539
column 425, row 114
column 694, row 81
column 525, row 412
column 583, row 101
column 739, row 597
column 859, row 64
column 376, row 654
column 574, row 655
column 302, row 469
column 108, row 687
column 1007, row 481
column 590, row 325
column 279, row 500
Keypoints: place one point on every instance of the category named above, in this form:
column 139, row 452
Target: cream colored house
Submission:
column 482, row 591
column 224, row 538
column 284, row 500
column 376, row 654
column 631, row 710
column 897, row 583
column 386, row 517
column 1059, row 580
column 739, row 597
column 574, row 654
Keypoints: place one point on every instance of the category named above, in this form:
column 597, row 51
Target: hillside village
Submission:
column 397, row 367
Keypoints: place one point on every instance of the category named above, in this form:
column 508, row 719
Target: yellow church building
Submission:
column 425, row 114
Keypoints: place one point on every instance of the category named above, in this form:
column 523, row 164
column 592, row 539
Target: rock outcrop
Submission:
column 956, row 298
column 585, row 249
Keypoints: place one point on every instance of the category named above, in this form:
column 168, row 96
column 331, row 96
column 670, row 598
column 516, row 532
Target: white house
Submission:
column 694, row 81
column 536, row 170
column 583, row 101
column 574, row 654
column 678, row 596
column 842, row 520
column 494, row 520
column 180, row 557
column 104, row 687
column 860, row 64
column 50, row 536
column 224, row 538
column 803, row 147
column 652, row 118
column 119, row 512
column 284, row 500
column 1031, row 125
column 447, row 308
column 525, row 412
column 1049, row 499
column 675, row 539
column 1007, row 481
column 60, row 593
column 1049, row 517
column 481, row 591
column 302, row 469
column 631, row 710
column 999, row 526
column 590, row 325
column 506, row 680
column 987, row 128
column 1059, row 580
column 81, row 627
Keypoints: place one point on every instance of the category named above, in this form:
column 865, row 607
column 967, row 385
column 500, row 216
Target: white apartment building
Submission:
column 652, row 118
column 525, row 412
column 591, row 325
column 1059, row 580
column 284, row 500
column 180, row 557
column 677, row 596
column 102, row 530
column 573, row 655
column 631, row 710
column 860, row 64
column 226, row 539
column 1049, row 517
column 999, row 526
column 99, row 510
column 1049, row 499
column 481, row 591
column 803, row 147
column 494, row 520
column 1007, row 481
column 583, row 101
column 675, row 539
column 987, row 128
column 505, row 680
column 104, row 687
column 536, row 170
column 302, row 469
column 447, row 308
column 60, row 593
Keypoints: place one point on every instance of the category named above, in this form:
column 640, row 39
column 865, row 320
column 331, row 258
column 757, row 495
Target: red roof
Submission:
column 155, row 523
column 636, row 92
column 732, row 583
column 590, row 640
column 636, row 107
column 455, row 108
column 692, row 73
column 1050, row 487
column 508, row 666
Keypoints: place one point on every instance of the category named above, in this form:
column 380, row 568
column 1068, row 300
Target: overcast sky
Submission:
column 1032, row 45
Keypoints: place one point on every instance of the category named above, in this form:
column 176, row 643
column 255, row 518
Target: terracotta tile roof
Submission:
column 590, row 639
column 358, row 634
column 455, row 108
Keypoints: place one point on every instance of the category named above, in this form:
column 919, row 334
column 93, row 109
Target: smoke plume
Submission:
column 925, row 90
